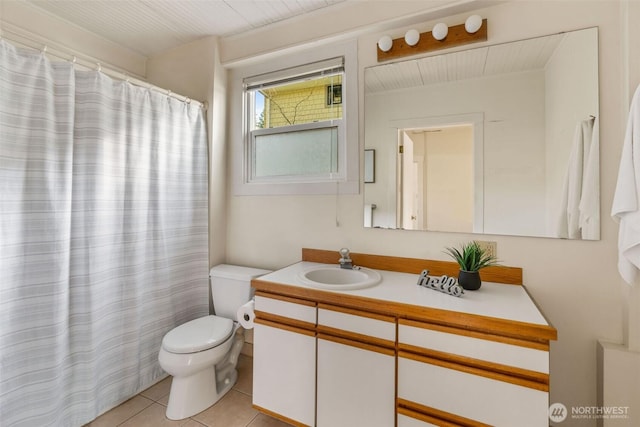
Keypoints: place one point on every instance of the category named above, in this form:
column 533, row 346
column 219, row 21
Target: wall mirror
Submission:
column 500, row 139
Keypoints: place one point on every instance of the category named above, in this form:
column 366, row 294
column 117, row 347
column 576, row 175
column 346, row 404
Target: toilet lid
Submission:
column 198, row 335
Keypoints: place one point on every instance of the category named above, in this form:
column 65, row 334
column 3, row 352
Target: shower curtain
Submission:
column 103, row 236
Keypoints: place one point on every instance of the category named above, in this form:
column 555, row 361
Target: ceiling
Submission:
column 152, row 26
column 523, row 55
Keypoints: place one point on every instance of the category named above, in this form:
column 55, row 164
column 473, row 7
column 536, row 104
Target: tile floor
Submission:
column 233, row 410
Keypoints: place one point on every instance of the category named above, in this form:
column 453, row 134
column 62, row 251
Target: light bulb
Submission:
column 412, row 37
column 385, row 43
column 440, row 31
column 473, row 23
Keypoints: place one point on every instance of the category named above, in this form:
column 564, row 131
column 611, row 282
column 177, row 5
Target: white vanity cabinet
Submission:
column 397, row 354
column 356, row 368
column 447, row 374
column 284, row 361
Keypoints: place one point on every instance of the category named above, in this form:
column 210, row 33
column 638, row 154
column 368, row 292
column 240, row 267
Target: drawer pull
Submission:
column 357, row 344
column 285, row 327
column 434, row 416
column 524, row 382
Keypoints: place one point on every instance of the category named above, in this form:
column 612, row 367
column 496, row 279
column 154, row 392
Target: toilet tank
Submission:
column 231, row 287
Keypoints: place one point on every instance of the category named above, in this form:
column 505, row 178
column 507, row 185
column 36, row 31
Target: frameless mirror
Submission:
column 500, row 139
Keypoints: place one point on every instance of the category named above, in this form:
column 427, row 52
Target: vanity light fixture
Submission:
column 385, row 43
column 473, row 24
column 441, row 37
column 440, row 31
column 412, row 37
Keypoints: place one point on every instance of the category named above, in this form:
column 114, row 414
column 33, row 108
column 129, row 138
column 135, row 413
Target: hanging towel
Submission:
column 589, row 207
column 569, row 221
column 368, row 215
column 626, row 206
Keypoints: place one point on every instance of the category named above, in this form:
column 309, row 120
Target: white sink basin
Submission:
column 336, row 278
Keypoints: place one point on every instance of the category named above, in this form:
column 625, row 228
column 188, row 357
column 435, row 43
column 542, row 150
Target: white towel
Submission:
column 626, row 209
column 589, row 208
column 368, row 215
column 569, row 221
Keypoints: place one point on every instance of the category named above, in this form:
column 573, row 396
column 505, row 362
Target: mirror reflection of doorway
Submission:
column 436, row 178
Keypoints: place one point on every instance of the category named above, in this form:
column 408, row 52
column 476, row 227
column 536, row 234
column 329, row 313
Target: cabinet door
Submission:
column 284, row 372
column 356, row 384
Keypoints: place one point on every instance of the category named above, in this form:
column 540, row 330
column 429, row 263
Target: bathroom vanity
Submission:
column 397, row 353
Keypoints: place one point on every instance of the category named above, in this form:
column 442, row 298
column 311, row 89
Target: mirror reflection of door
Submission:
column 436, row 178
column 410, row 181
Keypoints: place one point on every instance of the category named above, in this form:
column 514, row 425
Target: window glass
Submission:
column 294, row 123
column 308, row 153
column 308, row 101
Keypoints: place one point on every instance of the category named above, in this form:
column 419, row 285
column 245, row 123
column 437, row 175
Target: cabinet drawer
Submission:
column 432, row 337
column 285, row 307
column 475, row 397
column 332, row 320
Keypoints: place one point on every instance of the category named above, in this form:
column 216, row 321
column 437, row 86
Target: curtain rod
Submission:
column 87, row 62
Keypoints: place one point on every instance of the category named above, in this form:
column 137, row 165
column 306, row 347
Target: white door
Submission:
column 410, row 182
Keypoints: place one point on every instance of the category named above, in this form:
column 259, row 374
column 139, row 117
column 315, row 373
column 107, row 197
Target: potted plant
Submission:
column 471, row 257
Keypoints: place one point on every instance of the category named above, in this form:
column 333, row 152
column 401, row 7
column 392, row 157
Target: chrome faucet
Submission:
column 345, row 261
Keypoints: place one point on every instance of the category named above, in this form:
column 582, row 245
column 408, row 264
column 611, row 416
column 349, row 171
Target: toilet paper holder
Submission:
column 246, row 315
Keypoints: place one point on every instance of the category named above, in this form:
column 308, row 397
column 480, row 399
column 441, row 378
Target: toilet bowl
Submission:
column 197, row 384
column 202, row 354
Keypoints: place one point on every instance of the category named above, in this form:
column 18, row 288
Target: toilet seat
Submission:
column 198, row 335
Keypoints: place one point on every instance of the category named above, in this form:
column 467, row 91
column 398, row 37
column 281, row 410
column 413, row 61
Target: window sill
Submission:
column 296, row 188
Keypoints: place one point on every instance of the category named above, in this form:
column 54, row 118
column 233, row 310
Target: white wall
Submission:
column 513, row 109
column 449, row 179
column 576, row 283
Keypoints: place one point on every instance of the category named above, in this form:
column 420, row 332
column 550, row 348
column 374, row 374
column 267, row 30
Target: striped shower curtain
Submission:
column 103, row 236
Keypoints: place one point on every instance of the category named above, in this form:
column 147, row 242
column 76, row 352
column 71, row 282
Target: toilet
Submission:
column 202, row 354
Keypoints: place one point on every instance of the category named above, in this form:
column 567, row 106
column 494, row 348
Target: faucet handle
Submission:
column 344, row 253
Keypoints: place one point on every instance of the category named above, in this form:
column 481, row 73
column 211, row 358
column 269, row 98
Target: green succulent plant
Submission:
column 471, row 257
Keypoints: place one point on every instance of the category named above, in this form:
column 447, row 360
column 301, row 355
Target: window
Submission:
column 313, row 149
column 334, row 94
column 294, row 124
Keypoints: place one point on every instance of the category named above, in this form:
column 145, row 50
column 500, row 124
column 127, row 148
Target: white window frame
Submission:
column 346, row 179
column 317, row 70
